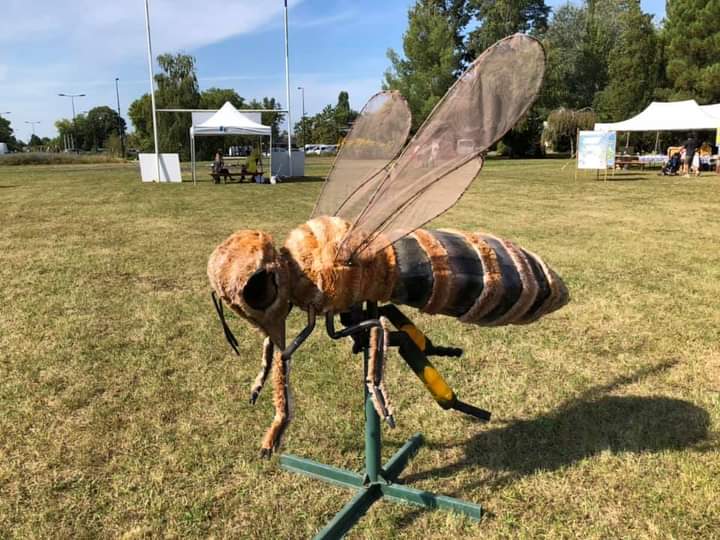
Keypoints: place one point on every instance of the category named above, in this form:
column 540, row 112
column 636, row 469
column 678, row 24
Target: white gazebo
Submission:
column 670, row 116
column 226, row 121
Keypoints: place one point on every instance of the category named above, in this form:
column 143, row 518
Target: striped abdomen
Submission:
column 478, row 278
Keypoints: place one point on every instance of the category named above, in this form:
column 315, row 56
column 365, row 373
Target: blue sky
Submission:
column 80, row 46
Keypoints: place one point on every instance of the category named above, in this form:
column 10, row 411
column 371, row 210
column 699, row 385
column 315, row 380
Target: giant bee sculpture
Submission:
column 364, row 243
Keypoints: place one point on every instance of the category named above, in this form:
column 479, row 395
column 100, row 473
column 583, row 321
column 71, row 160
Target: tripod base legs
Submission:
column 369, row 492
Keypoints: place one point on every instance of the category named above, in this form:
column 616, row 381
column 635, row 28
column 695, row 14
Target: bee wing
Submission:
column 440, row 162
column 377, row 136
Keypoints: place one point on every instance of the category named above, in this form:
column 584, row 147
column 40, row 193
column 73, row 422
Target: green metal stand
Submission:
column 377, row 482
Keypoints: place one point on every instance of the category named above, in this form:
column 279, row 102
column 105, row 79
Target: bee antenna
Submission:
column 229, row 336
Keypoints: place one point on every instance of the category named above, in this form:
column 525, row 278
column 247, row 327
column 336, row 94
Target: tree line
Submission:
column 605, row 58
column 177, row 88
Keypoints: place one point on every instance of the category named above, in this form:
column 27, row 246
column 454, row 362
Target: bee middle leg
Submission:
column 267, row 361
column 415, row 347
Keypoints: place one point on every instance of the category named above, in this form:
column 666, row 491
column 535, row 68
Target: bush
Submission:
column 40, row 158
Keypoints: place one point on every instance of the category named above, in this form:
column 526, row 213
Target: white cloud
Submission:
column 117, row 29
column 47, row 47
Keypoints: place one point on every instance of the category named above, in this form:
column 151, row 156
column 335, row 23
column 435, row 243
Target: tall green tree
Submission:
column 344, row 114
column 564, row 84
column 214, row 98
column 430, row 63
column 497, row 19
column 140, row 113
column 458, row 15
column 177, row 87
column 579, row 43
column 102, row 122
column 604, row 26
column 7, row 135
column 272, row 119
column 92, row 130
column 632, row 67
column 693, row 43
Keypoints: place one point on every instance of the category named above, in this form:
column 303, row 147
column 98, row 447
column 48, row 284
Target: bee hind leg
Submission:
column 375, row 381
column 415, row 347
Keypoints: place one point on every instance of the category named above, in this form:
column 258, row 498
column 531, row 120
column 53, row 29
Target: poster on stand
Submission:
column 596, row 149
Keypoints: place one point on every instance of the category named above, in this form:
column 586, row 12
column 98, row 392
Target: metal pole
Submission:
column 287, row 90
column 120, row 128
column 192, row 155
column 373, row 437
column 152, row 87
column 32, row 124
column 302, row 93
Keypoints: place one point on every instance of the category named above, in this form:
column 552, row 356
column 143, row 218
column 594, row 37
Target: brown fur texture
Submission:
column 281, row 401
column 234, row 262
column 266, row 366
column 440, row 269
column 322, row 279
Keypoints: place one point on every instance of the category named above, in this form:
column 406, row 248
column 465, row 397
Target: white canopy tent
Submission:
column 713, row 110
column 670, row 116
column 226, row 121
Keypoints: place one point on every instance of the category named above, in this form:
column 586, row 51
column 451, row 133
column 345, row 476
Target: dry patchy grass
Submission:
column 125, row 415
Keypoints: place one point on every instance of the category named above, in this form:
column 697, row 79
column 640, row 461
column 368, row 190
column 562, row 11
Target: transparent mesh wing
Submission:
column 377, row 136
column 443, row 158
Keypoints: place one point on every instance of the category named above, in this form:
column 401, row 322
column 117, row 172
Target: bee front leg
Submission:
column 281, row 400
column 267, row 360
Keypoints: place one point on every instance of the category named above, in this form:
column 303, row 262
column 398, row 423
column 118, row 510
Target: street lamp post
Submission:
column 32, row 123
column 120, row 128
column 302, row 93
column 72, row 100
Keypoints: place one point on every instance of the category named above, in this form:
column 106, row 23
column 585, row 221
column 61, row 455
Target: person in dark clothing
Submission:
column 218, row 167
column 690, row 146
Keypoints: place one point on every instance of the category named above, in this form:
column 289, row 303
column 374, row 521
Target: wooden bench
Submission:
column 225, row 175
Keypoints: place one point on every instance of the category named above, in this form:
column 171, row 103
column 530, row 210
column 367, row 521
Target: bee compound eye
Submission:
column 261, row 290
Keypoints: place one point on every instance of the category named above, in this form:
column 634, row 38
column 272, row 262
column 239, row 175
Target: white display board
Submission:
column 169, row 168
column 3, row 148
column 281, row 163
column 596, row 149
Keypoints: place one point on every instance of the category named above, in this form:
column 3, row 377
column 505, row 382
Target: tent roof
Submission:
column 229, row 121
column 672, row 116
column 714, row 110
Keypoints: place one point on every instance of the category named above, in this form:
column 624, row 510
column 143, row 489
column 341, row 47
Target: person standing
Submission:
column 690, row 146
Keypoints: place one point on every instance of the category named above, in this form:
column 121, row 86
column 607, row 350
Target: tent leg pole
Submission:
column 192, row 158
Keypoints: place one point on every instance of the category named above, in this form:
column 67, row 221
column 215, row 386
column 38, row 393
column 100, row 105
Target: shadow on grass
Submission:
column 624, row 176
column 302, row 179
column 582, row 428
column 294, row 180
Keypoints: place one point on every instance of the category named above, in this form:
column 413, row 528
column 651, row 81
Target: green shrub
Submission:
column 40, row 158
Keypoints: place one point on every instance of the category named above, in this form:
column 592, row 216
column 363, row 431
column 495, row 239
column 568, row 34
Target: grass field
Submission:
column 125, row 415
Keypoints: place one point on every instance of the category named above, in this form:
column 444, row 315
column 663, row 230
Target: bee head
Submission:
column 247, row 273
